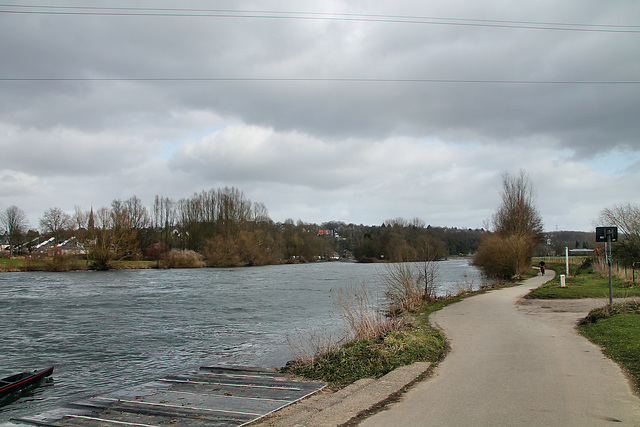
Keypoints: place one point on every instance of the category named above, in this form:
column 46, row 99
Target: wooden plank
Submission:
column 250, row 370
column 211, row 396
column 245, row 380
column 236, row 390
column 255, row 406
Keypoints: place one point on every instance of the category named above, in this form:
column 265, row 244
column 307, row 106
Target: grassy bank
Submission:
column 375, row 357
column 617, row 330
column 583, row 282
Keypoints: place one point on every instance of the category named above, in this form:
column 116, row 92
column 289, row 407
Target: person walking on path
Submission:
column 511, row 365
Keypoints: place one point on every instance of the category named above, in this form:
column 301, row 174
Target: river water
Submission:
column 104, row 331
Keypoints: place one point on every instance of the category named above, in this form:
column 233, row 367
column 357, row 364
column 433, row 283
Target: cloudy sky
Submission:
column 358, row 111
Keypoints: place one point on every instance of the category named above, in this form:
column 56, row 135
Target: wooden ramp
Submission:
column 211, row 396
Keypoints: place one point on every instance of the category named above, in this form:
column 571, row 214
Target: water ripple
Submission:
column 107, row 330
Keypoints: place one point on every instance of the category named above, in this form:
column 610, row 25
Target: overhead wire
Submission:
column 319, row 79
column 272, row 14
column 301, row 15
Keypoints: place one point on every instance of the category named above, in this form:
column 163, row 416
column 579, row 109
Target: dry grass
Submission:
column 409, row 287
column 362, row 320
column 183, row 259
column 306, row 348
column 625, row 273
column 362, row 315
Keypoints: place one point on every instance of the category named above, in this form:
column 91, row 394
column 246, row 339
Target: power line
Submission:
column 312, row 79
column 270, row 14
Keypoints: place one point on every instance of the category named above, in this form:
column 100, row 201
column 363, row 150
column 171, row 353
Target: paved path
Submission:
column 513, row 364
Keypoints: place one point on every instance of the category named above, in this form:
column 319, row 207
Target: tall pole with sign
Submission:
column 608, row 235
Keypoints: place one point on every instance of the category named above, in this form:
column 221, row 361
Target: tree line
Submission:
column 221, row 227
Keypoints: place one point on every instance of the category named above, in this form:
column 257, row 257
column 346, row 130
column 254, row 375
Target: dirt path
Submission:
column 517, row 362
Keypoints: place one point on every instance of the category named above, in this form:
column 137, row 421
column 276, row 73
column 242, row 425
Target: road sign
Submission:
column 602, row 233
column 608, row 235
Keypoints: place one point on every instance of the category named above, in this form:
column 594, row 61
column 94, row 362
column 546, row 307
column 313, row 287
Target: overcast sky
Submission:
column 357, row 111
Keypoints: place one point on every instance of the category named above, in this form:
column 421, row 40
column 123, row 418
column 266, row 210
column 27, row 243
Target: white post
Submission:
column 566, row 257
column 563, row 283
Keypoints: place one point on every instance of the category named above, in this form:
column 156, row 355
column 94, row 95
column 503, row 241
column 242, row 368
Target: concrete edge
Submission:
column 347, row 404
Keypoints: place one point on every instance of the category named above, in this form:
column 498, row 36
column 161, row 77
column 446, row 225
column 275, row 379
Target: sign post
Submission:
column 608, row 235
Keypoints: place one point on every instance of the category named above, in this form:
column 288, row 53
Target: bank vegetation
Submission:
column 214, row 228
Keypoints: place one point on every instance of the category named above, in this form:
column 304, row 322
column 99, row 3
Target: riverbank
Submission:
column 341, row 407
column 35, row 263
column 412, row 340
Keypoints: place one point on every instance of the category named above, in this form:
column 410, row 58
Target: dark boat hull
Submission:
column 19, row 382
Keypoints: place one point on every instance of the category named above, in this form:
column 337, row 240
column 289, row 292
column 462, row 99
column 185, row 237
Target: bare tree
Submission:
column 54, row 221
column 627, row 218
column 518, row 229
column 111, row 239
column 164, row 217
column 15, row 223
column 81, row 218
column 260, row 212
column 518, row 215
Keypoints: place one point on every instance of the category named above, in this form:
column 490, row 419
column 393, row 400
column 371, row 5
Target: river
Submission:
column 104, row 331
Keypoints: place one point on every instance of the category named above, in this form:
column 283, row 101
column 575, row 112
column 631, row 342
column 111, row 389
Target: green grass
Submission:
column 583, row 283
column 617, row 330
column 373, row 357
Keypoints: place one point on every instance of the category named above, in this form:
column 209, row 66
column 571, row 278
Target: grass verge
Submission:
column 616, row 329
column 583, row 282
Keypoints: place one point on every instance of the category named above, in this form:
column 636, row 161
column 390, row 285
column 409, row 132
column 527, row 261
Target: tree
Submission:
column 627, row 218
column 164, row 217
column 518, row 215
column 15, row 223
column 111, row 239
column 54, row 221
column 517, row 227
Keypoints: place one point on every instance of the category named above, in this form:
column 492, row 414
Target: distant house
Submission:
column 43, row 246
column 4, row 242
column 49, row 247
column 69, row 247
column 580, row 252
column 326, row 232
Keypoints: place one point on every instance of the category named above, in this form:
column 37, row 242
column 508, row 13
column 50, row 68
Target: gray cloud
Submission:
column 363, row 149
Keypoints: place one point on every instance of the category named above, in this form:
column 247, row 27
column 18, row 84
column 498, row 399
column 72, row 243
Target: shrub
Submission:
column 363, row 321
column 503, row 257
column 183, row 259
column 222, row 252
column 409, row 286
column 611, row 310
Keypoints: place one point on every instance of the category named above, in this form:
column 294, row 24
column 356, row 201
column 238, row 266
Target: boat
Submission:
column 18, row 382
